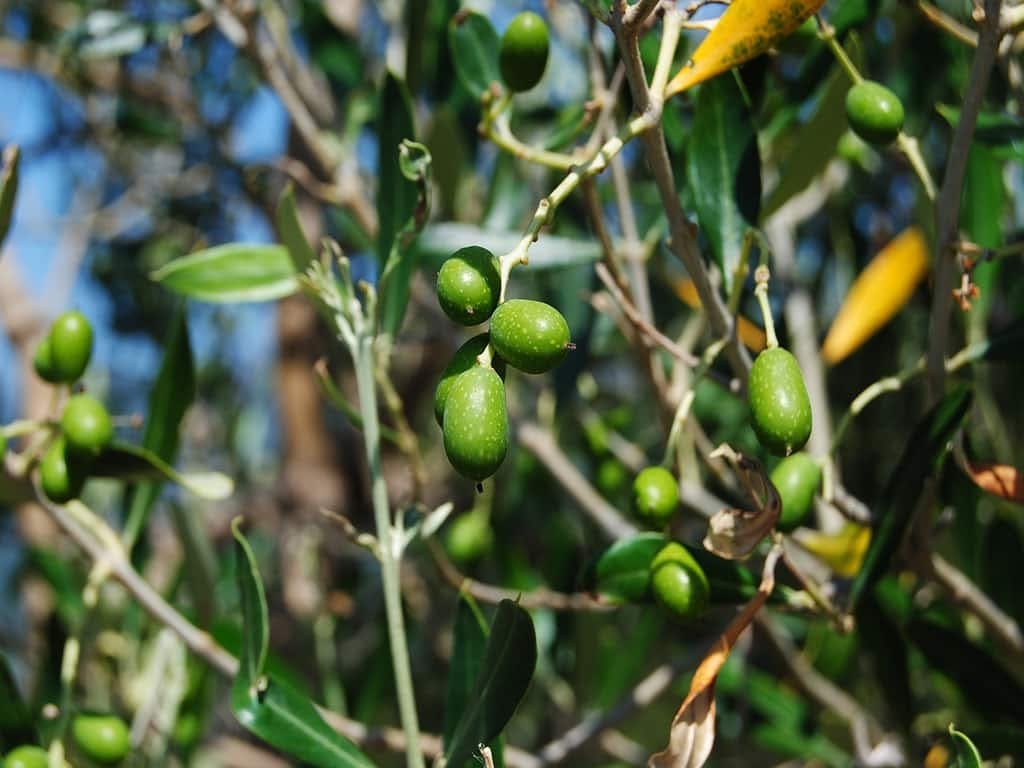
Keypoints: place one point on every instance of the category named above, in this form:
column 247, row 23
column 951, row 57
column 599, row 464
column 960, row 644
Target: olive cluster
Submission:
column 85, row 425
column 104, row 739
column 469, row 402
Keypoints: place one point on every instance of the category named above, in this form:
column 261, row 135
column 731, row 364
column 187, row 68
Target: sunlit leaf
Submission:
column 505, row 674
column 8, row 188
column 878, row 293
column 236, row 272
column 723, row 171
column 474, row 46
column 133, row 463
column 927, row 445
column 746, row 29
column 843, row 551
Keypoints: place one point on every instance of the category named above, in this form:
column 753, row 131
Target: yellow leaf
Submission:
column 843, row 552
column 746, row 29
column 878, row 293
column 751, row 335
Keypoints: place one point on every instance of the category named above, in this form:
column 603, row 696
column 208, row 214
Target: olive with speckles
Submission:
column 874, row 112
column 530, row 335
column 469, row 284
column 780, row 410
column 797, row 478
column 463, row 359
column 475, row 423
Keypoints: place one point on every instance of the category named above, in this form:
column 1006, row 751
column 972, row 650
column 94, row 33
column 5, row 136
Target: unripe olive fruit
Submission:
column 103, row 738
column 655, row 495
column 530, row 335
column 70, row 346
column 476, row 423
column 874, row 112
column 797, row 478
column 469, row 284
column 42, row 361
column 61, row 475
column 463, row 359
column 86, row 425
column 780, row 410
column 26, row 756
column 524, row 51
column 469, row 537
column 678, row 582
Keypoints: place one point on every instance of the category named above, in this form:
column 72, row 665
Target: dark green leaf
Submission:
column 8, row 188
column 1001, row 567
column 983, row 197
column 16, row 722
column 623, row 572
column 724, row 170
column 851, row 13
column 966, row 753
column 927, row 445
column 992, row 128
column 289, row 229
column 879, row 617
column 1006, row 343
column 474, row 48
column 255, row 622
column 236, row 272
column 133, row 463
column 468, row 647
column 172, row 394
column 505, row 674
column 440, row 240
column 988, row 687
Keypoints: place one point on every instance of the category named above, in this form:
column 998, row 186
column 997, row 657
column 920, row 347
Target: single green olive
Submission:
column 476, row 423
column 26, row 756
column 678, row 582
column 529, row 335
column 523, row 55
column 61, row 475
column 797, row 478
column 611, row 476
column 780, row 410
column 70, row 346
column 463, row 359
column 103, row 738
column 86, row 425
column 469, row 537
column 469, row 284
column 874, row 112
column 655, row 495
column 42, row 361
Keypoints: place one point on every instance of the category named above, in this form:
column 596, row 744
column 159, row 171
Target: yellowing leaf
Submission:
column 843, row 552
column 878, row 293
column 751, row 335
column 747, row 29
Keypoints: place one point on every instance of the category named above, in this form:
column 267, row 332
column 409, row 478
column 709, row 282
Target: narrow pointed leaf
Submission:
column 289, row 228
column 255, row 621
column 16, row 722
column 474, row 48
column 926, row 447
column 236, row 272
column 966, row 753
column 133, row 463
column 505, row 674
column 724, row 171
column 8, row 188
column 468, row 648
column 746, row 29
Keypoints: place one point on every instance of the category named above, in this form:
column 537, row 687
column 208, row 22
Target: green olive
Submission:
column 61, row 475
column 476, row 423
column 469, row 537
column 463, row 359
column 530, row 335
column 874, row 112
column 797, row 478
column 655, row 495
column 678, row 582
column 103, row 738
column 70, row 346
column 780, row 410
column 42, row 361
column 86, row 425
column 611, row 476
column 469, row 284
column 523, row 55
column 26, row 756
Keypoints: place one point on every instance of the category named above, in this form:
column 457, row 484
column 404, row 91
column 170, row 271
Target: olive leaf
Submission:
column 8, row 188
column 1002, row 480
column 734, row 533
column 967, row 755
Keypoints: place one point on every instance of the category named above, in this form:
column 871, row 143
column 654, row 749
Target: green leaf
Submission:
column 396, row 197
column 468, row 647
column 1000, row 565
column 16, row 722
column 816, row 748
column 966, row 753
column 255, row 622
column 508, row 665
column 440, row 240
column 994, row 128
column 724, row 171
column 236, row 272
column 172, row 394
column 8, row 188
column 927, row 445
column 289, row 229
column 623, row 573
column 474, row 47
column 133, row 463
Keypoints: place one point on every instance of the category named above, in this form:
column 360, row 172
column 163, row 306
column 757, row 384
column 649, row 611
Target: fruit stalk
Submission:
column 762, row 275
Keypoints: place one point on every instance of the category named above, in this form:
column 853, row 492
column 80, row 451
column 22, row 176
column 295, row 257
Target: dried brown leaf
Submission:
column 1000, row 480
column 734, row 533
